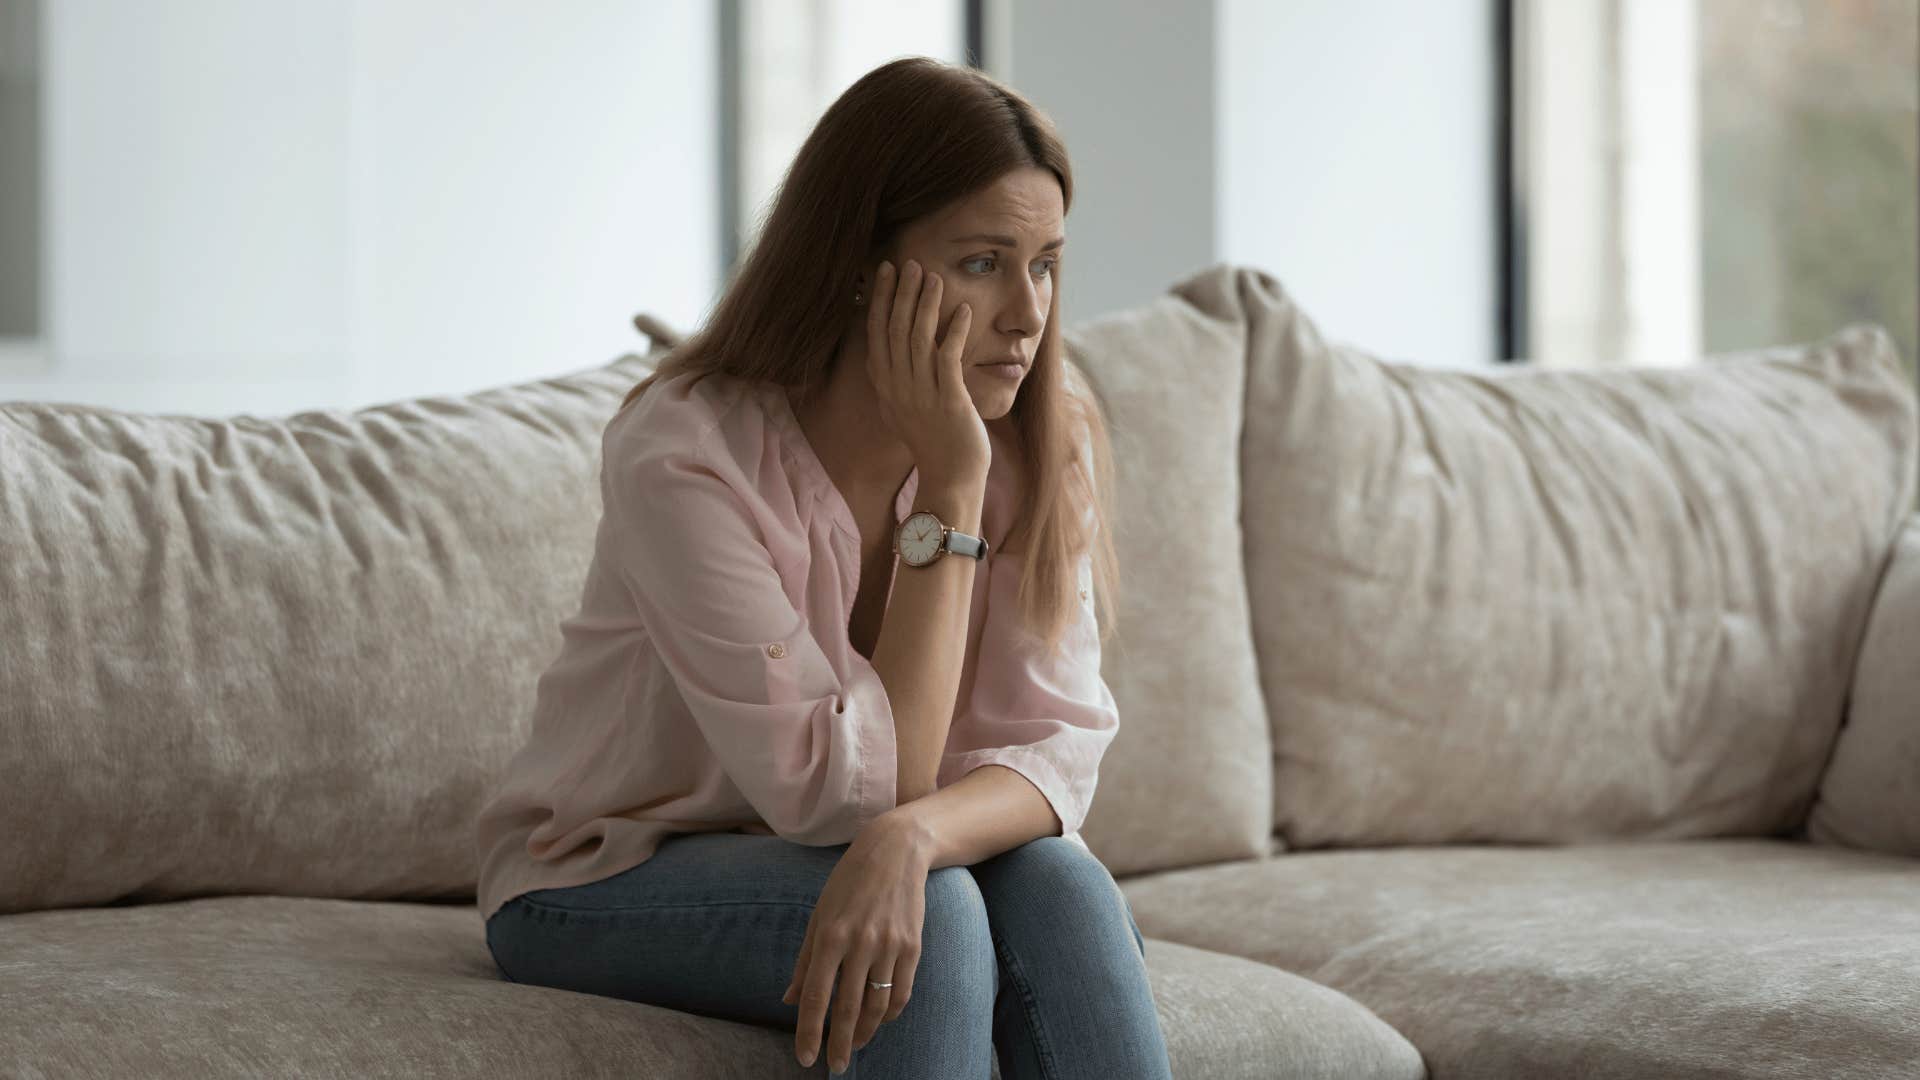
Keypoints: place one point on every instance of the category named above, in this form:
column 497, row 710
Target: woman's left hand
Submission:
column 865, row 925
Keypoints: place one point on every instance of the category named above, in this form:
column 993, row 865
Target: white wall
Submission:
column 270, row 206
column 1345, row 146
column 1130, row 84
column 1357, row 166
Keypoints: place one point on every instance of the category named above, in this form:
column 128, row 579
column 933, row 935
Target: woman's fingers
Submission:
column 815, row 994
column 799, row 965
column 812, row 989
column 888, row 1009
column 952, row 376
column 903, row 969
column 878, row 314
column 878, row 1006
column 926, row 379
column 900, row 333
column 851, row 1005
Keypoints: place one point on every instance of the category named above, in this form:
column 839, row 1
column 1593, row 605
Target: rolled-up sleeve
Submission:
column 812, row 753
column 1049, row 718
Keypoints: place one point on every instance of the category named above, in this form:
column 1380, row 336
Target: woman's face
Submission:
column 995, row 251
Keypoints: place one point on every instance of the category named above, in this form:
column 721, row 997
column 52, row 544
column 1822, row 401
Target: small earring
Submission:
column 856, row 296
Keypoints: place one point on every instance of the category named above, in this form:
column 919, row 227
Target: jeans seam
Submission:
column 1027, row 1005
column 661, row 907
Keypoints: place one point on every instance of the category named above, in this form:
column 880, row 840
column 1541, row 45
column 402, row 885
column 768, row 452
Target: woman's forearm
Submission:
column 923, row 637
column 990, row 810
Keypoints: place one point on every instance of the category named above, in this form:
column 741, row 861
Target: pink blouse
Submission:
column 708, row 684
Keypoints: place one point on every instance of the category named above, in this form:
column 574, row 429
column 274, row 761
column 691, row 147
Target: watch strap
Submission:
column 966, row 544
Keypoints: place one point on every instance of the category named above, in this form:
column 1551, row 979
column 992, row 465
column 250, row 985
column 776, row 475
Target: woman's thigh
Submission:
column 712, row 923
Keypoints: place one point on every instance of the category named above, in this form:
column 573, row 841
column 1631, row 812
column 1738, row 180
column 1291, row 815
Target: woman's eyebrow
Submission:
column 1005, row 241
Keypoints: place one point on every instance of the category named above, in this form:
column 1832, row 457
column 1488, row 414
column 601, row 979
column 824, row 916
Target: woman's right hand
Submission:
column 865, row 925
column 920, row 382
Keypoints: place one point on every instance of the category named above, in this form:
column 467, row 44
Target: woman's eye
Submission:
column 989, row 258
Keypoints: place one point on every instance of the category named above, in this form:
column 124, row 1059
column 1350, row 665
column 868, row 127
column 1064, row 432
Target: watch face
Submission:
column 920, row 537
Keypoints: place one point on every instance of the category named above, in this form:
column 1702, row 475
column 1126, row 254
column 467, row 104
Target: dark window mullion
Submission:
column 1509, row 211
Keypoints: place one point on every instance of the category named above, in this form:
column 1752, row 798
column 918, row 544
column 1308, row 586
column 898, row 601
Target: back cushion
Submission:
column 1188, row 777
column 1870, row 793
column 280, row 655
column 1558, row 605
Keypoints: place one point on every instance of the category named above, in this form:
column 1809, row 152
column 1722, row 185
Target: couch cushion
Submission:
column 280, row 655
column 272, row 986
column 1228, row 1018
column 1870, row 794
column 1189, row 776
column 1739, row 957
column 1539, row 604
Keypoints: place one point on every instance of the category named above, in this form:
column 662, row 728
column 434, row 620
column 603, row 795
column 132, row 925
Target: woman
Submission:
column 818, row 744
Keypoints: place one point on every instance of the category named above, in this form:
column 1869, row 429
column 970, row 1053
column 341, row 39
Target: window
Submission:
column 785, row 61
column 1708, row 175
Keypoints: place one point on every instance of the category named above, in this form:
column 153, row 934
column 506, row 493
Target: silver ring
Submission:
column 878, row 986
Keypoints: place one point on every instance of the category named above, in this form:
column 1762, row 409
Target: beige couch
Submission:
column 1554, row 723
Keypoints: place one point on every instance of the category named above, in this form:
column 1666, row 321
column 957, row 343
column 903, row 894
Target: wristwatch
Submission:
column 923, row 537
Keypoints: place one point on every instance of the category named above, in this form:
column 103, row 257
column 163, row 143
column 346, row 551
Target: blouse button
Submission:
column 776, row 650
column 1083, row 594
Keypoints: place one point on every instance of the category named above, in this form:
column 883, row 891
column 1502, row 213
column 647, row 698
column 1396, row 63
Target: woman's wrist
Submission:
column 903, row 827
column 955, row 501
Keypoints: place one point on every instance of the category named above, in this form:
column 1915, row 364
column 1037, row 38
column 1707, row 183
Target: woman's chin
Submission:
column 993, row 396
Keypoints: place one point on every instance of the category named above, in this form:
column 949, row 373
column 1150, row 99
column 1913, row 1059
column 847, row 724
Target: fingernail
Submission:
column 806, row 1059
column 839, row 1067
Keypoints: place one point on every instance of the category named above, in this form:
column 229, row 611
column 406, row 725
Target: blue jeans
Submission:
column 1032, row 954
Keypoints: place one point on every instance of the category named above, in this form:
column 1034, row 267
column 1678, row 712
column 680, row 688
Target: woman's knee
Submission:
column 956, row 944
column 1054, row 867
column 1053, row 863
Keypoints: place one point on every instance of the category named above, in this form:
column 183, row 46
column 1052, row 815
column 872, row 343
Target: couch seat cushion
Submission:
column 252, row 986
column 1732, row 957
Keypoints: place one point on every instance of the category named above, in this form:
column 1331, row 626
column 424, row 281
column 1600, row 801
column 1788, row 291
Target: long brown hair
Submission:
column 912, row 137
